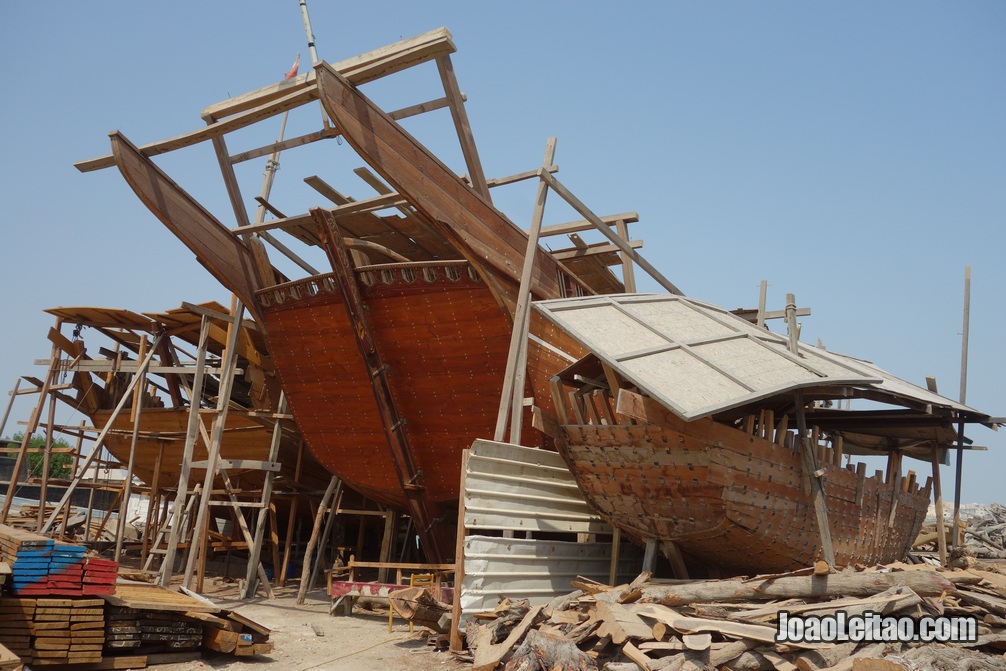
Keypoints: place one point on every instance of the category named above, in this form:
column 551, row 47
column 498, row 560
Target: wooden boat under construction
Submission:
column 394, row 359
column 693, row 428
column 99, row 379
column 391, row 361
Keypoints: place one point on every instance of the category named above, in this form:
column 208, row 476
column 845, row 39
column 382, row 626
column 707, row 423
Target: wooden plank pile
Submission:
column 52, row 631
column 731, row 625
column 68, row 631
column 43, row 567
column 149, row 620
column 147, row 631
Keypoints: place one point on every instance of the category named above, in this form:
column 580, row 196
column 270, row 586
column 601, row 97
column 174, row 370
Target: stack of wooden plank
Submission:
column 17, row 617
column 100, row 576
column 42, row 567
column 147, row 619
column 68, row 631
column 731, row 625
column 150, row 631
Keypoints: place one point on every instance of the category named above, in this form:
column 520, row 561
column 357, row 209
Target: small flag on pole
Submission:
column 293, row 70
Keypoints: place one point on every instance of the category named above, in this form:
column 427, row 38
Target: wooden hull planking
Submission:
column 736, row 500
column 244, row 438
column 445, row 340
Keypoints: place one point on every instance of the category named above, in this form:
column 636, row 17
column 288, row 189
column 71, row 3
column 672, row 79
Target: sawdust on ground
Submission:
column 359, row 642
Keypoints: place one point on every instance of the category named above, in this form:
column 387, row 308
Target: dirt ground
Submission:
column 359, row 642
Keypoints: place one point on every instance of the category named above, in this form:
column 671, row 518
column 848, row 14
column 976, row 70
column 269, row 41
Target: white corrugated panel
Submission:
column 536, row 570
column 513, row 488
column 509, row 487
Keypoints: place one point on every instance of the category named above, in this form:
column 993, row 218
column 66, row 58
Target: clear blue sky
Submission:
column 851, row 153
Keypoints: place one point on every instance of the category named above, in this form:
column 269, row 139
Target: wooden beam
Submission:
column 593, row 250
column 600, row 225
column 463, row 128
column 584, row 225
column 409, row 476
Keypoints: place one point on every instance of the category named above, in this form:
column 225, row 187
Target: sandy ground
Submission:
column 359, row 642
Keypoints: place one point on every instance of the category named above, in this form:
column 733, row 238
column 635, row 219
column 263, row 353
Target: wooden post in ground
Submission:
column 191, row 435
column 512, row 398
column 812, row 481
column 43, row 490
column 616, row 550
column 141, row 368
column 288, row 545
column 139, row 392
column 386, row 544
column 305, row 570
column 964, row 392
column 36, row 415
column 941, row 531
column 199, row 546
column 459, row 559
column 323, row 541
column 255, row 552
column 153, row 505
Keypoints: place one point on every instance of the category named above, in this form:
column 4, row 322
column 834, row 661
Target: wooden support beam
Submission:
column 409, row 477
column 585, row 225
column 98, row 441
column 459, row 558
column 941, row 531
column 813, row 483
column 139, row 392
column 199, row 548
column 334, row 485
column 628, row 272
column 33, row 421
column 463, row 128
column 599, row 224
column 511, row 399
column 191, row 435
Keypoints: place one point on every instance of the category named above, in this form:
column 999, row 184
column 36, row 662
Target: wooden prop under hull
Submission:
column 734, row 500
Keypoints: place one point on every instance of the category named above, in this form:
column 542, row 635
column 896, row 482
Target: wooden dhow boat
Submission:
column 691, row 428
column 392, row 359
column 99, row 378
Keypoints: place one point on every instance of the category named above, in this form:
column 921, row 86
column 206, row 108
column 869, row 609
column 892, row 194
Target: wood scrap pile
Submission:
column 732, row 625
column 985, row 535
column 233, row 633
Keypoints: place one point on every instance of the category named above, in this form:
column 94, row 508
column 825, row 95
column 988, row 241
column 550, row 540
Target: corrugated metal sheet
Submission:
column 535, row 570
column 508, row 487
column 518, row 489
column 698, row 359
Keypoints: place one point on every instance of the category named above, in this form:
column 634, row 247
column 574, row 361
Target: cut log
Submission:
column 541, row 651
column 924, row 583
column 417, row 605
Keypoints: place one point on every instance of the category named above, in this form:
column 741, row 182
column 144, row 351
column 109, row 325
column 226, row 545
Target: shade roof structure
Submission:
column 698, row 359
